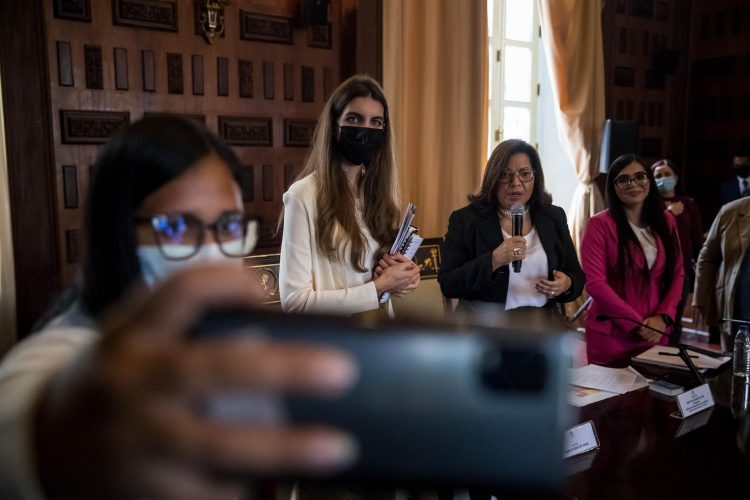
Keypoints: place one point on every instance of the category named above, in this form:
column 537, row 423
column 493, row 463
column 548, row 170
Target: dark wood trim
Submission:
column 28, row 138
column 361, row 38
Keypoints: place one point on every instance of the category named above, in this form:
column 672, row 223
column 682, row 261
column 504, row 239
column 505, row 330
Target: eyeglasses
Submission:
column 623, row 181
column 525, row 175
column 181, row 235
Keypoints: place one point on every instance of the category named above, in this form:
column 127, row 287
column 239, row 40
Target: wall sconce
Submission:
column 212, row 19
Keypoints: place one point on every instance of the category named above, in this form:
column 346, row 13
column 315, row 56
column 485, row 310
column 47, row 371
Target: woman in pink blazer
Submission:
column 631, row 256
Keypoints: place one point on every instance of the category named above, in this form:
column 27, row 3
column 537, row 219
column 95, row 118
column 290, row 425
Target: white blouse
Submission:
column 522, row 286
column 647, row 241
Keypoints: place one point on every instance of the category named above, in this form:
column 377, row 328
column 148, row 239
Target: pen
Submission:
column 665, row 353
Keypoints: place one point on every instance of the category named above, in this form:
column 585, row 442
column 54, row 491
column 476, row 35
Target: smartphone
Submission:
column 435, row 404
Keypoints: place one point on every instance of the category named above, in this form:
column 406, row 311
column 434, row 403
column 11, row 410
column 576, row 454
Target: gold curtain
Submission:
column 435, row 77
column 572, row 40
column 7, row 282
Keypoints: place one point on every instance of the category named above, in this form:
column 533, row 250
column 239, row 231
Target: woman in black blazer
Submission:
column 478, row 248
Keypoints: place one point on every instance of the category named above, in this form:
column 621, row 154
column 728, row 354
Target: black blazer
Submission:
column 466, row 254
column 730, row 191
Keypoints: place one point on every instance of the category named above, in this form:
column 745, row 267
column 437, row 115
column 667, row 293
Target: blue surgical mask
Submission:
column 155, row 268
column 666, row 184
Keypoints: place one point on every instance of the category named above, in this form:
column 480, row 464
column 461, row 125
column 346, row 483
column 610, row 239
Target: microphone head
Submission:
column 517, row 209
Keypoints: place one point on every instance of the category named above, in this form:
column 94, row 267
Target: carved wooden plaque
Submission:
column 246, row 131
column 90, row 127
column 74, row 10
column 298, row 133
column 265, row 28
column 152, row 14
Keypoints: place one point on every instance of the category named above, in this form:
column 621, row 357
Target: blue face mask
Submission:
column 666, row 183
column 155, row 268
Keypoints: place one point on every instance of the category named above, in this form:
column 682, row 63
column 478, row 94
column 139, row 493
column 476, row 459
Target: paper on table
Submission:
column 701, row 361
column 582, row 396
column 617, row 380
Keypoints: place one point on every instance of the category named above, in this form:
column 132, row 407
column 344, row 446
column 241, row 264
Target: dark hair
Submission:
column 138, row 160
column 499, row 160
column 652, row 213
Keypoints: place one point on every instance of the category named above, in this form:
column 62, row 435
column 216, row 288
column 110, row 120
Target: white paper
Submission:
column 617, row 380
column 582, row 396
column 657, row 354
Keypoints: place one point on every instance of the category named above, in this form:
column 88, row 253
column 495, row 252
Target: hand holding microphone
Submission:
column 513, row 249
column 516, row 216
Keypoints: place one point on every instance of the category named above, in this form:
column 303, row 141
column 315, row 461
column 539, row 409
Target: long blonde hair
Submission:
column 336, row 227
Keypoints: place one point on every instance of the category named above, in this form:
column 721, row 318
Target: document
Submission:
column 616, row 380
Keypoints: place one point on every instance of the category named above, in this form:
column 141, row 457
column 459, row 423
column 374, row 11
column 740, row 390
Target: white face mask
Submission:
column 155, row 268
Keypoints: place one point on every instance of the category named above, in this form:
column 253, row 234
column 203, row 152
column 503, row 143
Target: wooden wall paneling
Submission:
column 268, row 182
column 26, row 62
column 197, row 71
column 154, row 14
column 222, row 76
column 290, row 173
column 93, row 63
column 149, row 71
column 121, row 68
column 255, row 68
column 269, row 89
column 73, row 245
column 79, row 10
column 70, row 185
column 327, row 82
column 245, row 72
column 308, row 84
column 175, row 79
column 288, row 82
column 64, row 65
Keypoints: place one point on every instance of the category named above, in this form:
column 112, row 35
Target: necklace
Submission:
column 507, row 213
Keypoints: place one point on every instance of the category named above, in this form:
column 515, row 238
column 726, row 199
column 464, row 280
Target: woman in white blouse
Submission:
column 341, row 214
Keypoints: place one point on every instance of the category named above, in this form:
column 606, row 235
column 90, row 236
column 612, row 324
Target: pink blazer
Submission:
column 630, row 296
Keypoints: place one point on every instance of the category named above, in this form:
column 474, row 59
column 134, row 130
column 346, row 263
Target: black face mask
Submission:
column 359, row 145
column 742, row 169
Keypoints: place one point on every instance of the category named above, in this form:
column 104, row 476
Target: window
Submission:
column 513, row 28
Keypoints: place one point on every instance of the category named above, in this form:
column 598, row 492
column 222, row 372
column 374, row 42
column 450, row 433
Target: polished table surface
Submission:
column 645, row 453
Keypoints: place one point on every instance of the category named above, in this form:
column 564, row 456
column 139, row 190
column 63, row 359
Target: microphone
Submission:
column 516, row 217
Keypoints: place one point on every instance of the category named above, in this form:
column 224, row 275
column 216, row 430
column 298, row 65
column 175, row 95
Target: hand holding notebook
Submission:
column 407, row 240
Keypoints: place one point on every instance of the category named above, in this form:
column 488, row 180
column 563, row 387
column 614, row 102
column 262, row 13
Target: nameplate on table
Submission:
column 694, row 401
column 580, row 439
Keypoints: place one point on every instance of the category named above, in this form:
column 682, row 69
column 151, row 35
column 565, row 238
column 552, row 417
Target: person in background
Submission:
column 343, row 211
column 722, row 283
column 739, row 186
column 478, row 248
column 107, row 402
column 633, row 264
column 689, row 227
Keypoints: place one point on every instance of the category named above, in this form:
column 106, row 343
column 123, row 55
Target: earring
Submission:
column 364, row 170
